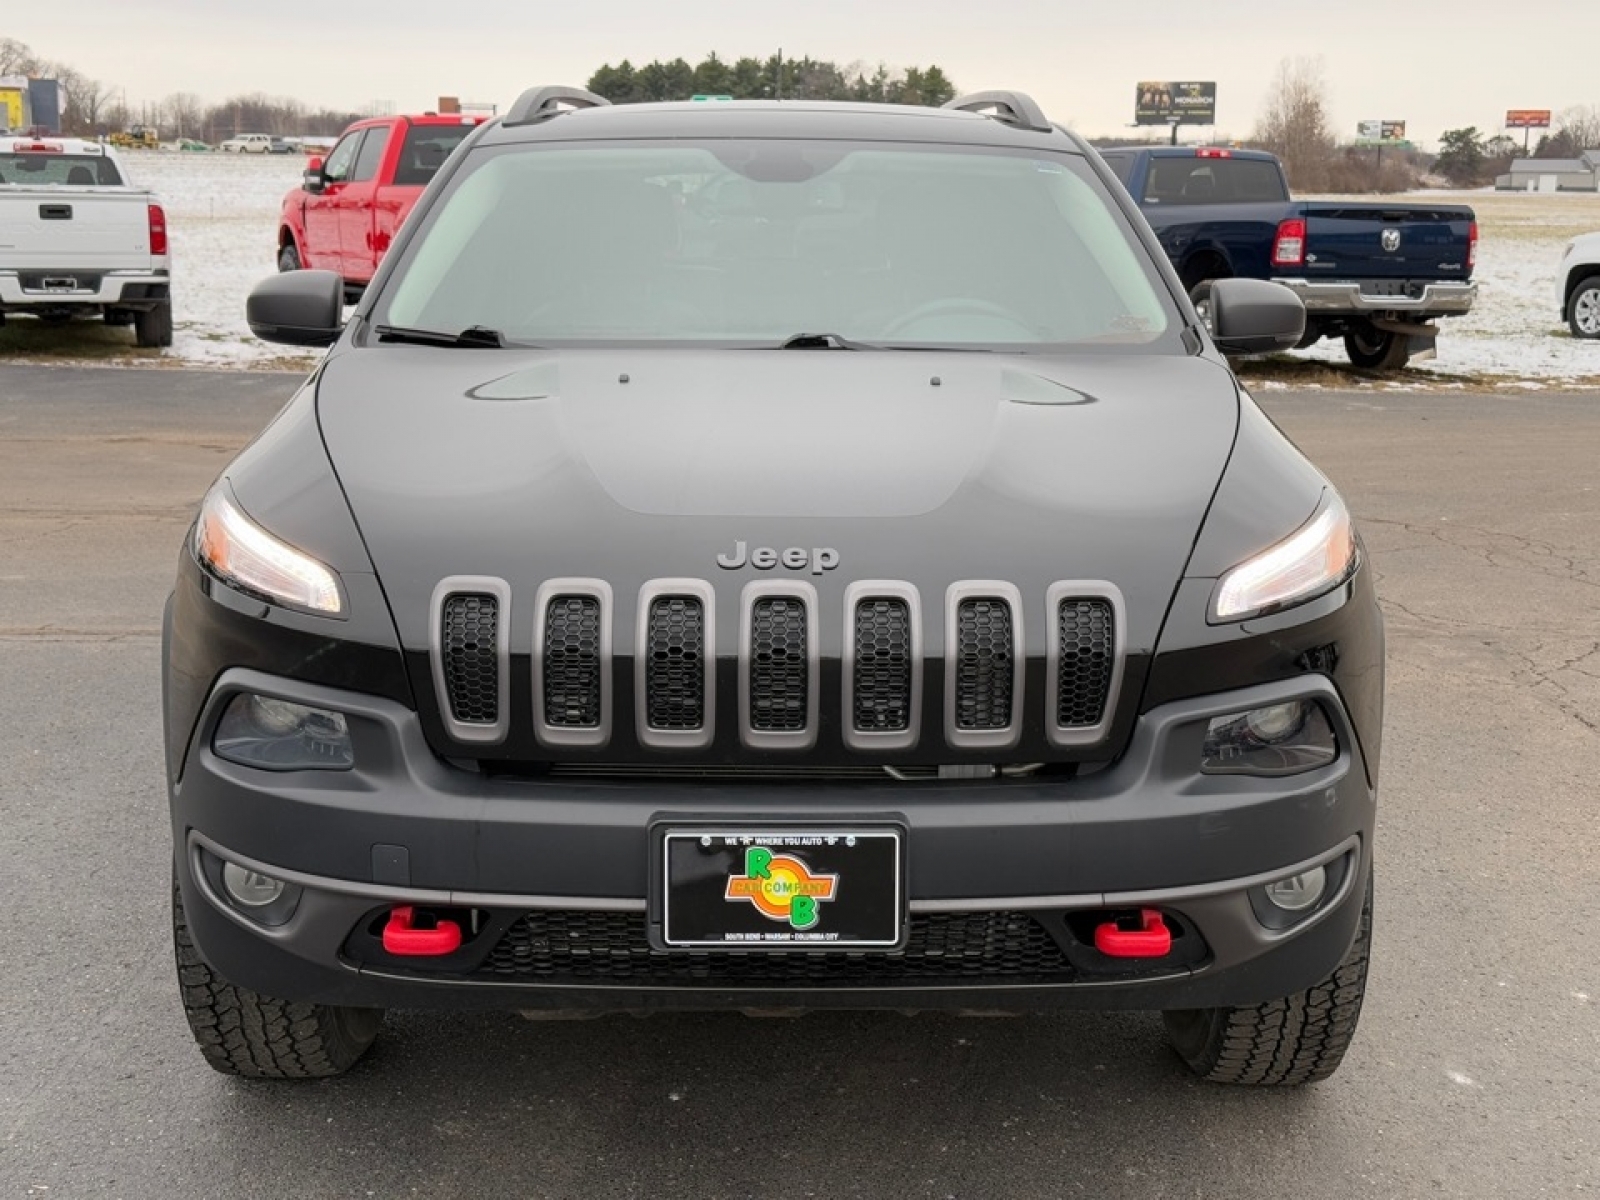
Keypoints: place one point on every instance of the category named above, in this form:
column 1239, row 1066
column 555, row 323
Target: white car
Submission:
column 248, row 143
column 1579, row 281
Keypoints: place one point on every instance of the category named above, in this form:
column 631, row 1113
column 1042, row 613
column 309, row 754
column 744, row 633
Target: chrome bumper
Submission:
column 1437, row 299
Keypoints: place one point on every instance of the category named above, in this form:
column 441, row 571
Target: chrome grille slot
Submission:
column 881, row 681
column 984, row 664
column 779, row 673
column 469, row 631
column 469, row 651
column 675, row 664
column 778, row 665
column 572, row 662
column 1085, row 660
column 1085, row 633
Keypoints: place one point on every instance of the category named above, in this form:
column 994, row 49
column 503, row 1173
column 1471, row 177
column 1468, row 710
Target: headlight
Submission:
column 1314, row 560
column 278, row 735
column 241, row 553
column 1280, row 739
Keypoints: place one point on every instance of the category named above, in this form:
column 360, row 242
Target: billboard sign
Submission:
column 1528, row 118
column 1175, row 104
column 1380, row 133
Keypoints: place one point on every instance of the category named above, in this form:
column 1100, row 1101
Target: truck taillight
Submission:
column 158, row 230
column 1212, row 152
column 1289, row 246
column 1472, row 245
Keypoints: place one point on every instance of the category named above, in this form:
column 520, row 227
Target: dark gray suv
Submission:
column 771, row 555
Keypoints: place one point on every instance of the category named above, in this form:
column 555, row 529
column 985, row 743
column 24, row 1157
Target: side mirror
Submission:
column 301, row 308
column 1252, row 316
column 313, row 179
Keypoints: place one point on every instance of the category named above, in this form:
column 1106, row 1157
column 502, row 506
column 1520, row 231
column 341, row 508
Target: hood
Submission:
column 640, row 465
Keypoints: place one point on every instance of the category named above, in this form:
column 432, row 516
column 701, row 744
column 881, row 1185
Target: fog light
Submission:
column 279, row 735
column 1299, row 892
column 250, row 889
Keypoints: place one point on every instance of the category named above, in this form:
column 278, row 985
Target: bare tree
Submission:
column 1295, row 123
column 184, row 112
column 16, row 58
column 84, row 101
column 1582, row 123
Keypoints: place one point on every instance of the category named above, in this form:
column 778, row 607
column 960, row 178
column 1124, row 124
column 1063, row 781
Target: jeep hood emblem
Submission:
column 764, row 558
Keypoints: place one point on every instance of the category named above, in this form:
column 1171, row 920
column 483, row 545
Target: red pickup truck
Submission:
column 345, row 214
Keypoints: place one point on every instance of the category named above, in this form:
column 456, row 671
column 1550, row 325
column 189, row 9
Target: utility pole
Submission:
column 780, row 73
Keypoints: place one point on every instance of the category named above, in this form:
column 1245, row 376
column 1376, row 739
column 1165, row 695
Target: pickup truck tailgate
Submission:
column 58, row 229
column 1369, row 241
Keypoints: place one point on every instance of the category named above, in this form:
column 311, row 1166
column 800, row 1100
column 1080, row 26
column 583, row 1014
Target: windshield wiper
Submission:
column 474, row 336
column 824, row 341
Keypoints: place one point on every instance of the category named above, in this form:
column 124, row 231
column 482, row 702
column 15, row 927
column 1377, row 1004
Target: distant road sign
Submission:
column 1380, row 133
column 1175, row 104
column 1528, row 118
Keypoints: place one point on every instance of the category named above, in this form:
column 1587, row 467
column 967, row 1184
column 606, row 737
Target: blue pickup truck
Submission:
column 1376, row 274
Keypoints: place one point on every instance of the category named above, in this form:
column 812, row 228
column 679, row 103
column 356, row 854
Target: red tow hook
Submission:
column 1151, row 940
column 401, row 937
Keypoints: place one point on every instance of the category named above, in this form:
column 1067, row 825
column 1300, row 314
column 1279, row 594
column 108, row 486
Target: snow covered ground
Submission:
column 222, row 212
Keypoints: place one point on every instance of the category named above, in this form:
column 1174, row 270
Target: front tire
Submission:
column 1377, row 349
column 241, row 1032
column 1200, row 297
column 1583, row 309
column 289, row 258
column 1297, row 1039
column 152, row 328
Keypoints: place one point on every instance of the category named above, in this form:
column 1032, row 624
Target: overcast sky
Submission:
column 1433, row 64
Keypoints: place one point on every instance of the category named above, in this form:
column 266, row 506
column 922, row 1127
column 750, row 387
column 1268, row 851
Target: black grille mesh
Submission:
column 881, row 689
column 675, row 681
column 572, row 662
column 779, row 673
column 984, row 664
column 1088, row 642
column 469, row 645
column 609, row 947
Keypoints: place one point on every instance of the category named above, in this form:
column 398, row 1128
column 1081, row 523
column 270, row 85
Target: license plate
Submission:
column 788, row 888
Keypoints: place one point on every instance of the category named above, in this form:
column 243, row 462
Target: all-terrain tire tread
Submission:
column 241, row 1032
column 1294, row 1040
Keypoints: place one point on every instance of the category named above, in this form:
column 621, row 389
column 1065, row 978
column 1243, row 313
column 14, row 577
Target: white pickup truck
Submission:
column 76, row 240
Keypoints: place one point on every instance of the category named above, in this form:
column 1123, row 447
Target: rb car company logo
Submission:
column 781, row 887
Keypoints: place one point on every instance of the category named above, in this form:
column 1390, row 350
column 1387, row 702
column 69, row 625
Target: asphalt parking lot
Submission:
column 1474, row 1073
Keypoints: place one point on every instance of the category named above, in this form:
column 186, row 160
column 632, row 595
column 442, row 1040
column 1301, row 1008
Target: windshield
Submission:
column 754, row 242
column 76, row 170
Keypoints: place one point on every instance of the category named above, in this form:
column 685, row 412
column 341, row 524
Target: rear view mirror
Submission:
column 300, row 308
column 313, row 180
column 1252, row 316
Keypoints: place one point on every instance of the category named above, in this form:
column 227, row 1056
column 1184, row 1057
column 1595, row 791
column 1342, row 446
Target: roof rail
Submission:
column 539, row 103
column 1014, row 108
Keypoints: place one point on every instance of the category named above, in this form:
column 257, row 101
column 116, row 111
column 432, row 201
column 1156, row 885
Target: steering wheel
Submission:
column 955, row 306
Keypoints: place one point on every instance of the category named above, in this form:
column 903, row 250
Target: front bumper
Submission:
column 1346, row 298
column 404, row 828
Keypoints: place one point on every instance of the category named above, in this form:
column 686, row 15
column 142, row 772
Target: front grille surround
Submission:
column 1061, row 593
column 864, row 592
column 805, row 595
column 479, row 733
column 676, row 739
column 1000, row 738
column 548, row 732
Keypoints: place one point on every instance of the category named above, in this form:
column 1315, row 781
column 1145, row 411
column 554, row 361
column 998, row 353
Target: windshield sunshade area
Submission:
column 752, row 243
